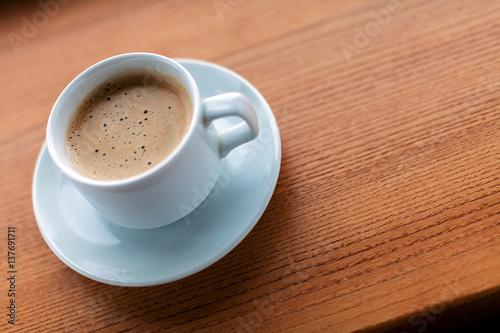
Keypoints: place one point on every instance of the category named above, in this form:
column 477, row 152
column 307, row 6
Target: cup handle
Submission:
column 231, row 104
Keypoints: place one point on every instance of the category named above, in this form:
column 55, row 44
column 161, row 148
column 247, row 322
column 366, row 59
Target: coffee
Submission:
column 127, row 125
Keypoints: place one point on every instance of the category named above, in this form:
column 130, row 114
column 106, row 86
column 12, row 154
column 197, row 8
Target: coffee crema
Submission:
column 127, row 125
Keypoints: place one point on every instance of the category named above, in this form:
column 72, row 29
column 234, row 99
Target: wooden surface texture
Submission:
column 386, row 214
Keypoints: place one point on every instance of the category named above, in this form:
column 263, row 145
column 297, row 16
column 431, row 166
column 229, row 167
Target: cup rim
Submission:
column 193, row 92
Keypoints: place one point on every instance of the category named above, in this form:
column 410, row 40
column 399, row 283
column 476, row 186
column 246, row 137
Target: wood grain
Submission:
column 386, row 214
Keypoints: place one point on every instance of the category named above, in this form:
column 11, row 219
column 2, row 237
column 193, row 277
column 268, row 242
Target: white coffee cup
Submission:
column 160, row 195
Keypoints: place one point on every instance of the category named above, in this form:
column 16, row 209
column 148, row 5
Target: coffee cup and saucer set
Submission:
column 183, row 213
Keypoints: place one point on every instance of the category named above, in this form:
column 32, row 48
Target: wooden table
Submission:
column 386, row 214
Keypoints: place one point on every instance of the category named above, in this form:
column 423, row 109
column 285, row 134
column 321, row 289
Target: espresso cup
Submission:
column 160, row 194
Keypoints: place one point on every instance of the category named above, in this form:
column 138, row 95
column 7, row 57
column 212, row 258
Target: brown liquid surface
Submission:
column 127, row 125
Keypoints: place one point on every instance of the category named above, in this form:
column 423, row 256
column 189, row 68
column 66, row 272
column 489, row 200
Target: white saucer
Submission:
column 115, row 255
